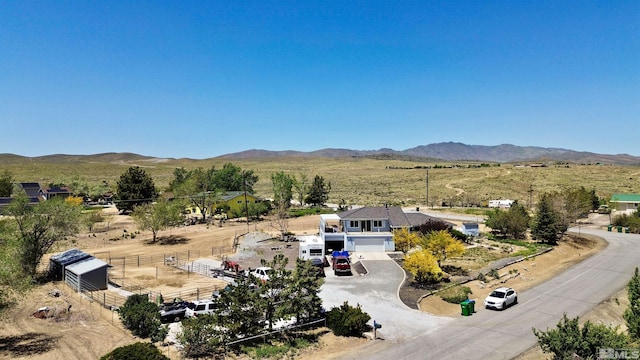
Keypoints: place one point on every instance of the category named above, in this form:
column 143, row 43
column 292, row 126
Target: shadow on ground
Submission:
column 26, row 344
column 172, row 240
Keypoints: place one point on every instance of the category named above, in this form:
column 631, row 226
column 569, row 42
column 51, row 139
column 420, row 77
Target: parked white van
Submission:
column 201, row 307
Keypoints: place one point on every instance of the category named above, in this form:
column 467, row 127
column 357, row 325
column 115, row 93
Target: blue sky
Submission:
column 201, row 79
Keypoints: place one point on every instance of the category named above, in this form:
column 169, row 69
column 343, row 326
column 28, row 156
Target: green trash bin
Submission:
column 609, row 227
column 465, row 308
column 627, row 230
column 619, row 229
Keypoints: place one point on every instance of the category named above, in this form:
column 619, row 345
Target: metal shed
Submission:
column 90, row 274
column 58, row 262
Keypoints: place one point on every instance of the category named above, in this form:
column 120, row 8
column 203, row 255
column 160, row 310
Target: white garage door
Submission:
column 369, row 245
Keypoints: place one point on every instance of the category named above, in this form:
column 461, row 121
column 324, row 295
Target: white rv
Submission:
column 311, row 247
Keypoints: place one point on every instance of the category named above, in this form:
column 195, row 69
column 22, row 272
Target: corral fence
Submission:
column 292, row 329
column 112, row 300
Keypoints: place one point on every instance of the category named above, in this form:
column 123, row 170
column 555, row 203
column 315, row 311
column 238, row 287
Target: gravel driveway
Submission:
column 377, row 293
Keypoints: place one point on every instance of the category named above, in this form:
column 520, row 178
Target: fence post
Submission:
column 138, row 260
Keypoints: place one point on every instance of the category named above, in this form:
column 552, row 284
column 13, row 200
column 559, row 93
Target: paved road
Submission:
column 506, row 334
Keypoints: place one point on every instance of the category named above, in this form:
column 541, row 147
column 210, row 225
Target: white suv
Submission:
column 501, row 298
column 199, row 307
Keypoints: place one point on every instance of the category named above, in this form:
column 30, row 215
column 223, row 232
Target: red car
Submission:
column 341, row 265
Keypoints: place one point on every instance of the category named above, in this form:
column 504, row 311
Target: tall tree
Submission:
column 302, row 187
column 272, row 291
column 13, row 280
column 547, row 225
column 233, row 178
column 632, row 313
column 282, row 195
column 241, row 313
column 40, row 226
column 6, row 184
column 318, row 192
column 198, row 188
column 135, row 187
column 158, row 216
column 302, row 299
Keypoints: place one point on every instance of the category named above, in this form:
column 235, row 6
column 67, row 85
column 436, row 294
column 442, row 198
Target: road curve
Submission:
column 506, row 334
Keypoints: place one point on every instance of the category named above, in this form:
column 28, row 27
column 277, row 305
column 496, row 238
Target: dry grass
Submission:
column 366, row 181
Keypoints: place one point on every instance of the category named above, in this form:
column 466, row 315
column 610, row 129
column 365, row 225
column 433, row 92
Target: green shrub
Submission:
column 455, row 294
column 494, row 274
column 481, row 277
column 142, row 317
column 136, row 351
column 347, row 320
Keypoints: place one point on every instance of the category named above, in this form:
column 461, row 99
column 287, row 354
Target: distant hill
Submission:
column 445, row 151
column 452, row 151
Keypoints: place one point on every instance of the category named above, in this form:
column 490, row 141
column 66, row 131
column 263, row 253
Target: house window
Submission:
column 315, row 252
column 354, row 223
column 377, row 223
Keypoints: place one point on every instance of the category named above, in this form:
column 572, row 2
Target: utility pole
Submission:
column 246, row 204
column 530, row 191
column 427, row 187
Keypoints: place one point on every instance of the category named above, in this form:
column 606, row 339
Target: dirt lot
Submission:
column 89, row 331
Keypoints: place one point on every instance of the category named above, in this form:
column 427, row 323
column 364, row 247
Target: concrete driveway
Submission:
column 377, row 293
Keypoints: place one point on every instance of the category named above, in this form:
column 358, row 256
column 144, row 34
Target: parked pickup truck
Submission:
column 173, row 312
column 340, row 262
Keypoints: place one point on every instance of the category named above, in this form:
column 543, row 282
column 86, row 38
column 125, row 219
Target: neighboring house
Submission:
column 625, row 202
column 470, row 229
column 235, row 201
column 31, row 188
column 51, row 192
column 367, row 229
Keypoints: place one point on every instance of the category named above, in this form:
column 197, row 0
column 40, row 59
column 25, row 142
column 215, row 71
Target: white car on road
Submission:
column 501, row 298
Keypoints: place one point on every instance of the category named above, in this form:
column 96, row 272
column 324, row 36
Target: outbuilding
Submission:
column 59, row 262
column 471, row 229
column 90, row 274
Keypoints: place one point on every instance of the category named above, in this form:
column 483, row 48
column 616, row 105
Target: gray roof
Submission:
column 69, row 257
column 86, row 266
column 397, row 218
column 470, row 225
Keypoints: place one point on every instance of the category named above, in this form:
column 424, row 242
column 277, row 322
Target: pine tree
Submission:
column 545, row 222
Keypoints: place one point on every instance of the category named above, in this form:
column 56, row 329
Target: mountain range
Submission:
column 454, row 151
column 444, row 151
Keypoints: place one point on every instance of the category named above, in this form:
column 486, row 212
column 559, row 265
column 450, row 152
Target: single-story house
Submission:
column 31, row 188
column 625, row 202
column 56, row 191
column 367, row 229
